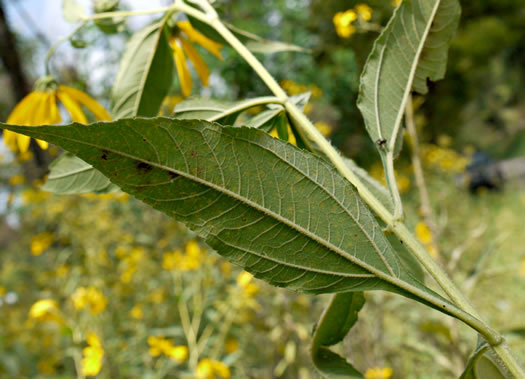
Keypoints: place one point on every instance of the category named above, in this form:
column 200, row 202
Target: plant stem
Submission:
column 58, row 42
column 494, row 339
column 392, row 186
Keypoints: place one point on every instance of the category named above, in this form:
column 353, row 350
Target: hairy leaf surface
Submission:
column 336, row 321
column 412, row 49
column 281, row 213
column 145, row 74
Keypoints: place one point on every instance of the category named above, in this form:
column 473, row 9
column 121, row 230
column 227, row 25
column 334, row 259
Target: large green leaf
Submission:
column 145, row 73
column 71, row 175
column 482, row 365
column 282, row 213
column 335, row 323
column 412, row 49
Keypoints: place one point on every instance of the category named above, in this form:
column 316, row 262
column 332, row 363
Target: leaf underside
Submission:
column 412, row 49
column 482, row 364
column 281, row 213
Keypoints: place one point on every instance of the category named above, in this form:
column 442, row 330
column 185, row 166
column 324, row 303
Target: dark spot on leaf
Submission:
column 173, row 175
column 144, row 167
column 105, row 154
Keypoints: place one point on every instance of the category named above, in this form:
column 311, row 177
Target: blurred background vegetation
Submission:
column 103, row 285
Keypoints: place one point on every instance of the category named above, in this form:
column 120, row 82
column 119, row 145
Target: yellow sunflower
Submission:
column 40, row 107
column 181, row 43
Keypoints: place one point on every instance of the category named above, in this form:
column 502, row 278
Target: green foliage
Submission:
column 481, row 365
column 335, row 323
column 412, row 48
column 145, row 73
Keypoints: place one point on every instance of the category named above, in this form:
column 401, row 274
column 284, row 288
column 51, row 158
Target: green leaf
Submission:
column 264, row 120
column 482, row 365
column 72, row 11
column 145, row 73
column 336, row 321
column 71, row 175
column 281, row 213
column 412, row 48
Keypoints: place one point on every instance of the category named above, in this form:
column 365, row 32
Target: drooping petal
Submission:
column 84, row 99
column 22, row 111
column 23, row 143
column 54, row 113
column 41, row 114
column 196, row 60
column 10, row 139
column 72, row 107
column 197, row 37
column 182, row 69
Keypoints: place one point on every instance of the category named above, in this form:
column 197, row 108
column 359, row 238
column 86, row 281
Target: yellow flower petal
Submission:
column 23, row 110
column 91, row 104
column 23, row 143
column 72, row 107
column 197, row 37
column 182, row 69
column 54, row 113
column 196, row 60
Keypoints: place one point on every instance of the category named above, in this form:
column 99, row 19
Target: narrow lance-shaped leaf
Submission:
column 336, row 321
column 412, row 48
column 281, row 213
column 145, row 73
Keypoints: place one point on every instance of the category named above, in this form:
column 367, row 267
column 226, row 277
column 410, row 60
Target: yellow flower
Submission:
column 40, row 242
column 93, row 355
column 244, row 281
column 522, row 269
column 378, row 373
column 16, row 180
column 160, row 345
column 40, row 107
column 343, row 23
column 423, row 233
column 324, row 128
column 137, row 312
column 364, row 11
column 192, row 258
column 181, row 43
column 395, row 3
column 91, row 298
column 231, row 345
column 45, row 310
column 211, row 369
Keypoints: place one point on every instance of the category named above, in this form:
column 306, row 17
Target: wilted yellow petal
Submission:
column 23, row 110
column 197, row 37
column 196, row 60
column 182, row 69
column 91, row 104
column 72, row 107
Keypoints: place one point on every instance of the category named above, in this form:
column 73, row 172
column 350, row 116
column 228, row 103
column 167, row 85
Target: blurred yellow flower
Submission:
column 444, row 159
column 90, row 298
column 192, row 258
column 244, row 280
column 364, row 11
column 62, row 270
column 40, row 107
column 378, row 373
column 395, row 3
column 45, row 310
column 16, row 180
column 137, row 312
column 3, row 291
column 522, row 269
column 343, row 23
column 324, row 128
column 231, row 345
column 423, row 233
column 46, row 368
column 160, row 345
column 40, row 242
column 211, row 369
column 92, row 356
column 157, row 296
column 180, row 42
